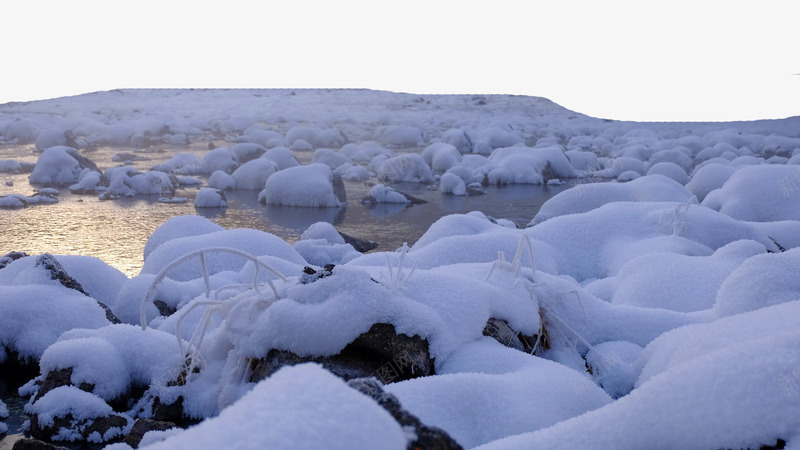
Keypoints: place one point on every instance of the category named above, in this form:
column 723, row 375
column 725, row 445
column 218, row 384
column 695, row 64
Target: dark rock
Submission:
column 361, row 245
column 780, row 444
column 35, row 444
column 427, row 437
column 338, row 188
column 412, row 199
column 548, row 173
column 471, row 191
column 142, row 426
column 53, row 379
column 10, row 257
column 86, row 426
column 83, row 162
column 379, row 352
column 172, row 412
column 310, row 275
column 71, row 141
column 500, row 331
column 57, row 272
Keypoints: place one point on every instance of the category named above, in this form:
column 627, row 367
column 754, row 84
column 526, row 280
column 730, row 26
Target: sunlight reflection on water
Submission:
column 116, row 231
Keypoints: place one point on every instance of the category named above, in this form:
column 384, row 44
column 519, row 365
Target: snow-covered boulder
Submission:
column 669, row 170
column 709, row 177
column 126, row 181
column 330, row 158
column 314, row 185
column 182, row 163
column 58, row 166
column 253, row 174
column 245, row 152
column 220, row 159
column 400, row 136
column 307, row 407
column 282, row 156
column 588, row 196
column 210, row 198
column 533, row 165
column 759, row 193
column 680, row 282
column 315, row 137
column 408, row 167
column 321, row 244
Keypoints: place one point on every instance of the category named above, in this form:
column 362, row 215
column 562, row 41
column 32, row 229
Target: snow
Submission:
column 56, row 166
column 65, row 400
column 253, row 174
column 220, row 159
column 408, row 167
column 33, row 316
column 452, row 184
column 3, row 416
column 281, row 156
column 386, row 194
column 680, row 282
column 760, row 281
column 321, row 244
column 589, row 196
column 302, row 407
column 709, row 177
column 760, row 193
column 221, row 180
column 489, row 391
column 210, row 198
column 255, row 242
column 309, row 186
column 664, row 279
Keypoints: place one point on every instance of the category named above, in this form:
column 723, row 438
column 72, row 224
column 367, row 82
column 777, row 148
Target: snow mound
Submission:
column 253, row 174
column 680, row 282
column 210, row 198
column 32, row 317
column 408, row 167
column 709, row 177
column 698, row 402
column 586, row 197
column 761, row 193
column 761, row 281
column 588, row 250
column 305, row 407
column 475, row 407
column 312, row 186
column 56, row 166
column 385, row 194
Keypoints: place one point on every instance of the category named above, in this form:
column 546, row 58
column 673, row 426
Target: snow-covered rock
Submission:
column 314, row 186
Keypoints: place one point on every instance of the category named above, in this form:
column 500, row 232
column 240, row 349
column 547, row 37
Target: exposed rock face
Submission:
column 379, row 352
column 427, row 437
column 57, row 272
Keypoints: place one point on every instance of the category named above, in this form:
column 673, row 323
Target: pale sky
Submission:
column 633, row 60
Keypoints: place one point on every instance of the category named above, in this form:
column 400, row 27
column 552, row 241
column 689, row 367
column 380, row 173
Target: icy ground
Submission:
column 653, row 305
